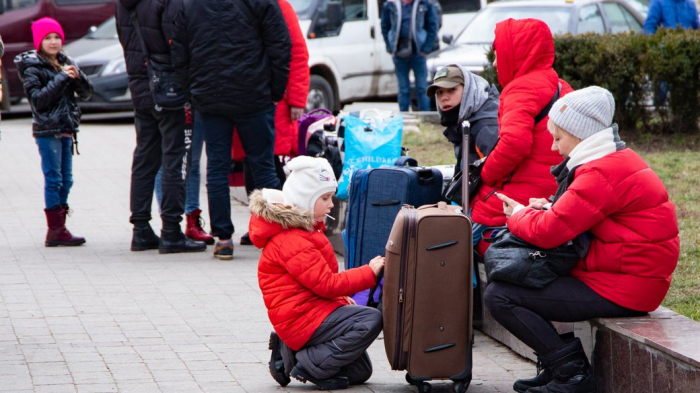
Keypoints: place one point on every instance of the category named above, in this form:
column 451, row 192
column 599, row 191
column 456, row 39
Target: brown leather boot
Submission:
column 194, row 228
column 58, row 235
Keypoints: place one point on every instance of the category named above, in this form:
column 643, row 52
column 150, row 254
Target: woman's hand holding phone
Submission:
column 508, row 204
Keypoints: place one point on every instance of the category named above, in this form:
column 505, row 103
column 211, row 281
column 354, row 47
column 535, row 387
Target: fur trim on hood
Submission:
column 287, row 217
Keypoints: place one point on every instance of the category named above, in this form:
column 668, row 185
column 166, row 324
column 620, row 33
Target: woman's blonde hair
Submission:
column 554, row 128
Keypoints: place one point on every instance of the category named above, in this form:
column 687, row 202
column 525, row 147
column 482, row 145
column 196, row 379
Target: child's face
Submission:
column 323, row 206
column 564, row 142
column 449, row 98
column 52, row 44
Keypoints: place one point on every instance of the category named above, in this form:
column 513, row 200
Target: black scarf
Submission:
column 561, row 174
column 450, row 117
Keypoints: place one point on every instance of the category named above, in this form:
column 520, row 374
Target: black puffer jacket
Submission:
column 51, row 93
column 233, row 54
column 156, row 20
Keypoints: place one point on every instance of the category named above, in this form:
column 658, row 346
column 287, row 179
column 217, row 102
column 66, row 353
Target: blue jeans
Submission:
column 57, row 165
column 402, row 66
column 194, row 175
column 257, row 133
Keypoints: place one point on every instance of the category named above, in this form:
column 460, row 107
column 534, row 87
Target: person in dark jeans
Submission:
column 235, row 70
column 409, row 28
column 160, row 133
column 610, row 196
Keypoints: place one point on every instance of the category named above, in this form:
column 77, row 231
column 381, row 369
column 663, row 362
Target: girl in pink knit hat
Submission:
column 51, row 81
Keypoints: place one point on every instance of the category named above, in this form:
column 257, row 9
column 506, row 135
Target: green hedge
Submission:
column 634, row 67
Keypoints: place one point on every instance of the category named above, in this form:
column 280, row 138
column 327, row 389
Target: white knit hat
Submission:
column 584, row 112
column 311, row 177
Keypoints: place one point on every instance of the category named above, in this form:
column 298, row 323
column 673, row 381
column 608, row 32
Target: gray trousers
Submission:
column 338, row 346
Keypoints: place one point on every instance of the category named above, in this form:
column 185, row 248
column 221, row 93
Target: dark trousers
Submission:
column 338, row 346
column 402, row 67
column 257, row 133
column 527, row 312
column 248, row 175
column 160, row 140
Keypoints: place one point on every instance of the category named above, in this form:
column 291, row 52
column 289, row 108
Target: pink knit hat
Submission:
column 43, row 27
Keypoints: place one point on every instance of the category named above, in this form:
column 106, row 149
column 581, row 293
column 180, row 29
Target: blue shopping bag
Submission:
column 370, row 142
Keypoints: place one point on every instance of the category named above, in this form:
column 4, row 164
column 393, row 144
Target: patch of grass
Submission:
column 676, row 161
column 679, row 172
column 429, row 147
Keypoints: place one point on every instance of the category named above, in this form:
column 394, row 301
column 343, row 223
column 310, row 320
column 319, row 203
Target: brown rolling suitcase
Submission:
column 427, row 296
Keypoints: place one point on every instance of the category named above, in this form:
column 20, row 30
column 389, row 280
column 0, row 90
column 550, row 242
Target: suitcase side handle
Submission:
column 388, row 202
column 442, row 245
column 425, row 176
column 439, row 347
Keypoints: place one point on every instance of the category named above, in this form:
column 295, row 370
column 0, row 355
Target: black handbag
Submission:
column 512, row 260
column 165, row 86
column 453, row 191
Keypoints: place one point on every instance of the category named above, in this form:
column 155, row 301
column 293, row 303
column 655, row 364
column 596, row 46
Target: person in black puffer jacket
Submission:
column 160, row 133
column 50, row 81
column 233, row 57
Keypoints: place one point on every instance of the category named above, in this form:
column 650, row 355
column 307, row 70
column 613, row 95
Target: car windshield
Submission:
column 106, row 30
column 481, row 29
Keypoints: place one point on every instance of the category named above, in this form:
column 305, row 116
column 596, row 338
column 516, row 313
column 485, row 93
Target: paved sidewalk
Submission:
column 99, row 318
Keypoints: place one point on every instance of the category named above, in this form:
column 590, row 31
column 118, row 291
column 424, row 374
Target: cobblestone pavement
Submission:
column 99, row 318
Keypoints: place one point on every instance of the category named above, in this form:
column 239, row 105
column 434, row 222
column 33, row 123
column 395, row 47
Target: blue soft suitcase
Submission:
column 376, row 197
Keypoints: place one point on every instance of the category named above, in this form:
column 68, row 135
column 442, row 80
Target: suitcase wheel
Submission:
column 423, row 387
column 461, row 386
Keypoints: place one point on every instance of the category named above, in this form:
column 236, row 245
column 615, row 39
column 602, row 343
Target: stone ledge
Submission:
column 663, row 330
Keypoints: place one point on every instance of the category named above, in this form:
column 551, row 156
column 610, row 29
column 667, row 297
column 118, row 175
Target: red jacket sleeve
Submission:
column 519, row 107
column 310, row 268
column 587, row 201
column 298, row 83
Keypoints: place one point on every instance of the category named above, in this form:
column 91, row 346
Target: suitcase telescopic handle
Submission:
column 465, row 170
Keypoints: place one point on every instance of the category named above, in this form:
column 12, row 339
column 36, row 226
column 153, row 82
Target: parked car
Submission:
column 347, row 55
column 16, row 17
column 101, row 57
column 469, row 49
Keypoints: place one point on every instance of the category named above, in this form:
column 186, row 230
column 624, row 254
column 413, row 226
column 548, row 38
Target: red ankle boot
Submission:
column 194, row 228
column 58, row 235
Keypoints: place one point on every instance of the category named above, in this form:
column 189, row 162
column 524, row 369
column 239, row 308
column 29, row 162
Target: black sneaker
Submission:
column 224, row 251
column 276, row 362
column 335, row 383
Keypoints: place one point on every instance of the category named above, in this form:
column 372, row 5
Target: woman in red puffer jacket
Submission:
column 519, row 164
column 608, row 195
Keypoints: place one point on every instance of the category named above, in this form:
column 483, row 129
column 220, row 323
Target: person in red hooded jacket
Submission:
column 307, row 299
column 290, row 109
column 519, row 164
column 608, row 195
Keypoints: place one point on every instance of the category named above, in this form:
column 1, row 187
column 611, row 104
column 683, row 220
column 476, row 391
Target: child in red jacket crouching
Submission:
column 307, row 299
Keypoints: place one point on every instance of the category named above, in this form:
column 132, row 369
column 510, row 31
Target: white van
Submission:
column 347, row 55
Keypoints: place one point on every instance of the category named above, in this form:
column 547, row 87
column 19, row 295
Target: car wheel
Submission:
column 320, row 94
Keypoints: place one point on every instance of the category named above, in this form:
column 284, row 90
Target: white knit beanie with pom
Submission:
column 311, row 177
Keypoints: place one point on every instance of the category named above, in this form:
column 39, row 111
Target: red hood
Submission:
column 522, row 46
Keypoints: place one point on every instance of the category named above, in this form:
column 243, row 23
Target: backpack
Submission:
column 305, row 121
